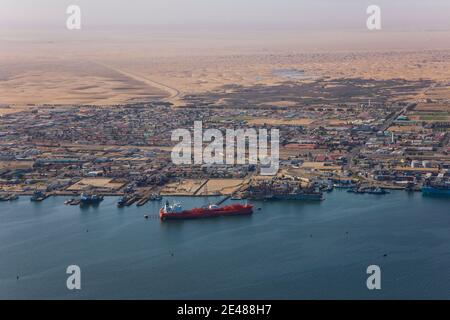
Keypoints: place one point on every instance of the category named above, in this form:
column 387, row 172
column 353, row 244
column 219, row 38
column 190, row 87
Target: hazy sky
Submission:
column 317, row 14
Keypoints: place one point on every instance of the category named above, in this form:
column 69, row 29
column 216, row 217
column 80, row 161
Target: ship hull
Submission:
column 90, row 203
column 292, row 197
column 87, row 200
column 207, row 213
column 299, row 197
column 435, row 192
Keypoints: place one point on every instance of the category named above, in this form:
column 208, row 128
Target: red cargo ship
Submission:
column 175, row 211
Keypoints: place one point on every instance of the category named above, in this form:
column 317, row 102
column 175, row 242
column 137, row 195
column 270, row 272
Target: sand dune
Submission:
column 102, row 69
column 71, row 82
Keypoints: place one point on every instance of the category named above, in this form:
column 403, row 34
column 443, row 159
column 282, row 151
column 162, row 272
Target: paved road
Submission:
column 173, row 92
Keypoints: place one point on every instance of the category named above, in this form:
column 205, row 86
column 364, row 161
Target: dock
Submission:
column 40, row 198
column 72, row 202
column 153, row 195
column 131, row 200
column 8, row 197
column 143, row 200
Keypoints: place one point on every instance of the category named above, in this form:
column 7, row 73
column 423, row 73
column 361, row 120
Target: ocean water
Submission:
column 286, row 250
column 293, row 74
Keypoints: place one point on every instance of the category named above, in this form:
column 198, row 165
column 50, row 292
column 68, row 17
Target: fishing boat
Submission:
column 90, row 199
column 38, row 196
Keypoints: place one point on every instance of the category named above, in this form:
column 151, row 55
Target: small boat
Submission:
column 377, row 190
column 155, row 197
column 72, row 202
column 437, row 189
column 344, row 185
column 9, row 197
column 38, row 196
column 122, row 201
column 90, row 199
column 357, row 191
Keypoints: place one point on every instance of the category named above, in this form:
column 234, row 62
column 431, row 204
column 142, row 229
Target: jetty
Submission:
column 9, row 197
column 73, row 202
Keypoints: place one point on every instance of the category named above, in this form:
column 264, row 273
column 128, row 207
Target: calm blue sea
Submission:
column 286, row 250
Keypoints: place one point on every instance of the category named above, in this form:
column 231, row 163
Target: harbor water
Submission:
column 286, row 250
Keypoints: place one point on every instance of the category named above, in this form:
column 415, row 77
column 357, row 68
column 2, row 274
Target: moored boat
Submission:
column 377, row 190
column 122, row 201
column 441, row 189
column 90, row 199
column 303, row 196
column 344, row 185
column 13, row 197
column 9, row 197
column 155, row 197
column 38, row 196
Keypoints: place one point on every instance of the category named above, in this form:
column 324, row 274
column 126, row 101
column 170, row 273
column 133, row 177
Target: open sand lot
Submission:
column 185, row 187
column 280, row 122
column 321, row 166
column 287, row 153
column 431, row 111
column 221, row 186
column 406, row 129
column 100, row 183
column 431, row 116
column 433, row 107
column 11, row 110
column 190, row 187
column 439, row 93
column 336, row 122
column 13, row 165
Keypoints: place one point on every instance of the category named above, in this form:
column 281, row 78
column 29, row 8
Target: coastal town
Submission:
column 370, row 146
column 213, row 151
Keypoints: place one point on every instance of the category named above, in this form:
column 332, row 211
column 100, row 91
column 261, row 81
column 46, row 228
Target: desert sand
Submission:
column 106, row 68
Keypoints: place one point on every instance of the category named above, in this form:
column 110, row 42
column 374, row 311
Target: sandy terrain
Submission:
column 321, row 166
column 430, row 117
column 87, row 183
column 106, row 68
column 11, row 110
column 280, row 122
column 12, row 165
column 221, row 186
column 70, row 82
column 183, row 188
column 433, row 107
column 406, row 129
column 197, row 186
